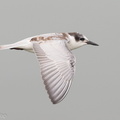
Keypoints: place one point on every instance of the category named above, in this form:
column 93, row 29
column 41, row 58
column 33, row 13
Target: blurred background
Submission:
column 94, row 94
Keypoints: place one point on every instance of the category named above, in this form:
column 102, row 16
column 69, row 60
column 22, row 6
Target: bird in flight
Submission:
column 57, row 63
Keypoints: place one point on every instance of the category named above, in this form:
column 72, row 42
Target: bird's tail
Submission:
column 17, row 45
column 9, row 46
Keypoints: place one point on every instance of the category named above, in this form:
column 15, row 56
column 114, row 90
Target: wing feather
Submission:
column 57, row 67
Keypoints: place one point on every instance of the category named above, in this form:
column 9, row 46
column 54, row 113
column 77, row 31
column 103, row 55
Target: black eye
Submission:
column 82, row 39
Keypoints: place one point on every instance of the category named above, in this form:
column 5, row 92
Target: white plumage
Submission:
column 57, row 63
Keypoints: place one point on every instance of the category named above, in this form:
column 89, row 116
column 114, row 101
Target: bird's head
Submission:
column 78, row 40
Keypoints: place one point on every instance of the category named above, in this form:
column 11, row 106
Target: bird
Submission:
column 57, row 62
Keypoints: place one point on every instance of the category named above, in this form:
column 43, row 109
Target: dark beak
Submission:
column 91, row 43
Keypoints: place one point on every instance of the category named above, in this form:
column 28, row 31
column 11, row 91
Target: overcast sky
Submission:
column 95, row 92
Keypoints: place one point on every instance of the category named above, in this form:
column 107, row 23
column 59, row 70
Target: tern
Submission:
column 57, row 63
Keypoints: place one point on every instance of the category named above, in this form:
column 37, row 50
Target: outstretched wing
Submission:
column 57, row 67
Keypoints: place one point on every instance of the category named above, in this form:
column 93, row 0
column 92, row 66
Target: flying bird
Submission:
column 57, row 63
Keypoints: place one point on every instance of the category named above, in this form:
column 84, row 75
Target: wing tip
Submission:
column 55, row 102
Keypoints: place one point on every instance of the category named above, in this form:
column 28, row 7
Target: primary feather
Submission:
column 57, row 68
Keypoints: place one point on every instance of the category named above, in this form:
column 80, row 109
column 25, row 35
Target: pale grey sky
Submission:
column 94, row 94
